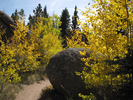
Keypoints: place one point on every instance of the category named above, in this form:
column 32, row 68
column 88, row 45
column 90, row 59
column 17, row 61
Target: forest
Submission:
column 107, row 32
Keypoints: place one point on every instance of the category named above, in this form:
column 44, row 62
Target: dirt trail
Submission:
column 32, row 92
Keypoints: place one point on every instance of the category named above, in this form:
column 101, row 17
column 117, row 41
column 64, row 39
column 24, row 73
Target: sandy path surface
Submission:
column 32, row 92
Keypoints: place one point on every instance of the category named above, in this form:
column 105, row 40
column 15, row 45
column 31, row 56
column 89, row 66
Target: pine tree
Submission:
column 38, row 11
column 15, row 15
column 18, row 15
column 44, row 12
column 74, row 19
column 32, row 20
column 21, row 13
column 65, row 22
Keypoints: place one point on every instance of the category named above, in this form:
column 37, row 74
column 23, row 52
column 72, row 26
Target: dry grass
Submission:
column 9, row 91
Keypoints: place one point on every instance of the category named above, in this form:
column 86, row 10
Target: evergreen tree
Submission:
column 74, row 20
column 32, row 20
column 15, row 15
column 18, row 15
column 44, row 12
column 65, row 22
column 21, row 13
column 38, row 11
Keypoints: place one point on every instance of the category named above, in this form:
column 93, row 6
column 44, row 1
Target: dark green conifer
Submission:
column 74, row 20
column 65, row 26
column 15, row 15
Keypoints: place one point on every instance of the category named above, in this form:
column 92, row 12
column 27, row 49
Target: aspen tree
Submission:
column 109, row 17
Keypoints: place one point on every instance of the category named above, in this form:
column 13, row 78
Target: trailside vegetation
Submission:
column 25, row 52
column 110, row 61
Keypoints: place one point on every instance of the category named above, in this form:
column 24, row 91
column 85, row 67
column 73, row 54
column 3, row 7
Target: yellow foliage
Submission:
column 22, row 54
column 75, row 41
column 110, row 16
column 50, row 43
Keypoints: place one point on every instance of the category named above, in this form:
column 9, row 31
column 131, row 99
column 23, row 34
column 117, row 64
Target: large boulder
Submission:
column 61, row 72
column 6, row 22
column 7, row 19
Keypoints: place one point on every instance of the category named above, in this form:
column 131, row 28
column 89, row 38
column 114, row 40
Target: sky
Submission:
column 53, row 6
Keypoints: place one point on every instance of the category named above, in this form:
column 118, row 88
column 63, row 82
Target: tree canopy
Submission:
column 38, row 12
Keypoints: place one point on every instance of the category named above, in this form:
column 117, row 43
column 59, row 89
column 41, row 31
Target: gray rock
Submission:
column 5, row 22
column 61, row 72
column 7, row 19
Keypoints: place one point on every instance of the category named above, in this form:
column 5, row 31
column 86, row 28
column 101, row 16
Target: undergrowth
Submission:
column 9, row 91
column 33, row 76
column 49, row 93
